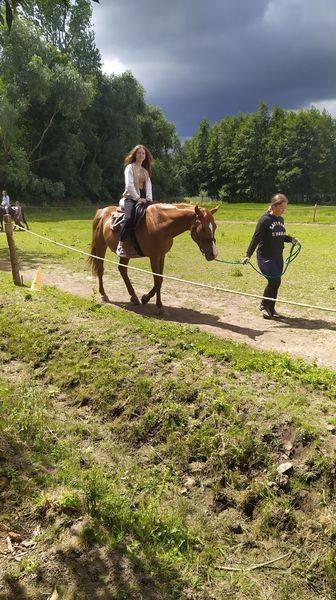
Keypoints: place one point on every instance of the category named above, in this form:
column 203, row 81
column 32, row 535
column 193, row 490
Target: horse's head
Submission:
column 203, row 232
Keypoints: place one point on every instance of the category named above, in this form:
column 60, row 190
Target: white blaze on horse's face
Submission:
column 214, row 247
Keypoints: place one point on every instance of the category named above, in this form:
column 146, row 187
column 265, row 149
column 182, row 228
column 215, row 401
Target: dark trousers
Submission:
column 129, row 215
column 272, row 268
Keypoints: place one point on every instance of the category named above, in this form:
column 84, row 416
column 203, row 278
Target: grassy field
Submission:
column 296, row 213
column 311, row 279
column 145, row 486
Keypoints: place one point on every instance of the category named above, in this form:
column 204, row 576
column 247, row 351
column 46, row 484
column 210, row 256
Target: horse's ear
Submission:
column 213, row 210
column 198, row 212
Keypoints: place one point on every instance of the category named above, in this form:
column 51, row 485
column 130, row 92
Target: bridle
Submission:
column 196, row 238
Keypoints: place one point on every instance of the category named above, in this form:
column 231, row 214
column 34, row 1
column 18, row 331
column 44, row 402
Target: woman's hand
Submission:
column 246, row 260
column 295, row 241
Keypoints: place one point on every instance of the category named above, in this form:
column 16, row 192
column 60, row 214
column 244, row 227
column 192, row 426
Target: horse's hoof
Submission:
column 160, row 310
column 145, row 299
column 135, row 300
column 105, row 299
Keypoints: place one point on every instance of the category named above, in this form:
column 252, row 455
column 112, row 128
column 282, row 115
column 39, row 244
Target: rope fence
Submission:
column 178, row 279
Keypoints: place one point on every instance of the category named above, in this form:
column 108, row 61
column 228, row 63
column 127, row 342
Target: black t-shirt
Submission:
column 269, row 236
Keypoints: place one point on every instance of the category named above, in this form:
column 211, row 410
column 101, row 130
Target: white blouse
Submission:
column 130, row 186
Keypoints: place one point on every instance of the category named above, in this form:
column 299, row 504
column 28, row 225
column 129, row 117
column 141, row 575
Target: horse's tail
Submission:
column 98, row 244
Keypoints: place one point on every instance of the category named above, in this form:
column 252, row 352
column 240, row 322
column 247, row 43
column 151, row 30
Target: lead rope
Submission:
column 294, row 253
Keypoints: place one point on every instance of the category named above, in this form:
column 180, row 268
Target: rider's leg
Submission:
column 129, row 214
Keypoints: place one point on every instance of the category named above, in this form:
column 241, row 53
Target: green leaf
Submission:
column 9, row 14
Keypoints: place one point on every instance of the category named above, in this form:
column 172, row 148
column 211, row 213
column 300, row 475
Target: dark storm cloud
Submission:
column 206, row 59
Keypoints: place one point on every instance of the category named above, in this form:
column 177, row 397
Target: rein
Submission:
column 294, row 253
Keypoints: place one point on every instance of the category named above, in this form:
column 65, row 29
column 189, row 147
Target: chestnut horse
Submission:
column 155, row 234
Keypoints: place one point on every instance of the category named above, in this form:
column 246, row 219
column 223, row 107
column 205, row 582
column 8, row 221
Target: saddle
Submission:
column 117, row 219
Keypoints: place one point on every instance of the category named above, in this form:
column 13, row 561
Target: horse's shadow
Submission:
column 194, row 317
column 189, row 316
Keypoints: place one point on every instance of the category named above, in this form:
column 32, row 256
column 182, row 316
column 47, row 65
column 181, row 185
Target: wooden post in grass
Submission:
column 314, row 216
column 12, row 251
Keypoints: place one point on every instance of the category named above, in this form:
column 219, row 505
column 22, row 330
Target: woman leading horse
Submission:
column 269, row 238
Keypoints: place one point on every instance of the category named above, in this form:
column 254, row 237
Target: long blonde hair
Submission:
column 277, row 199
column 147, row 163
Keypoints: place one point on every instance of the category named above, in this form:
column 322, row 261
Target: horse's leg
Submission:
column 159, row 284
column 98, row 266
column 123, row 262
column 98, row 251
column 24, row 220
column 100, row 274
column 157, row 263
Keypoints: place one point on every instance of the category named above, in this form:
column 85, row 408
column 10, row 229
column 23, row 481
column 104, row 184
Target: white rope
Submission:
column 172, row 278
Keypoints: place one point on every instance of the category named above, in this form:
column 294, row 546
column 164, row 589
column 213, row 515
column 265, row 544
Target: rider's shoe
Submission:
column 121, row 251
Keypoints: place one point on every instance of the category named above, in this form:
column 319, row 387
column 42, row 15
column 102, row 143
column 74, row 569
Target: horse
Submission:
column 155, row 234
column 17, row 216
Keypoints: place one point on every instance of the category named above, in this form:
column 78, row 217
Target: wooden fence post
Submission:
column 315, row 209
column 12, row 251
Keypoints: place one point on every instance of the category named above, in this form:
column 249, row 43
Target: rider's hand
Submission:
column 295, row 241
column 246, row 260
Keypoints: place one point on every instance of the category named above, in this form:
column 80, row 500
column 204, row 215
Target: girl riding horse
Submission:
column 155, row 234
column 137, row 185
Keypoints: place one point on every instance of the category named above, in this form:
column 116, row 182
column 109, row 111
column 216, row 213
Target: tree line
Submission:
column 249, row 157
column 65, row 126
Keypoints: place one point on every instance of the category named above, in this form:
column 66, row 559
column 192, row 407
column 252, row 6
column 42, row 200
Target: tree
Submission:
column 194, row 158
column 67, row 27
column 45, row 96
column 213, row 158
column 12, row 6
column 248, row 165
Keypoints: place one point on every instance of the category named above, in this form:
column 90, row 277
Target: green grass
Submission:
column 250, row 211
column 310, row 279
column 166, row 441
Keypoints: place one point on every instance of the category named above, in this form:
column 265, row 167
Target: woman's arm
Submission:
column 129, row 184
column 149, row 191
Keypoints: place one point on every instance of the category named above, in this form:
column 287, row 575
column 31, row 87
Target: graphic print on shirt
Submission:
column 278, row 229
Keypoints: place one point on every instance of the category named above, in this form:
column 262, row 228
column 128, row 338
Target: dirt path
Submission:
column 310, row 335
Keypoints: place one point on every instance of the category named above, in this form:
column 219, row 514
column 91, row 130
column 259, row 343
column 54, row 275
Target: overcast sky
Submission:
column 210, row 58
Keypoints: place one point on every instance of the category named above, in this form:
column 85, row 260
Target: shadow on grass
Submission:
column 15, row 590
column 100, row 573
column 55, row 215
column 193, row 317
column 28, row 260
column 189, row 316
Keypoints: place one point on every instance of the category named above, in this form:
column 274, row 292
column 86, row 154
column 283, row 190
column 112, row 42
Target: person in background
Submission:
column 269, row 238
column 5, row 202
column 138, row 170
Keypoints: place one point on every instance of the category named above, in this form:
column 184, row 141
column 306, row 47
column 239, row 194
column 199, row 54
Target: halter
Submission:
column 195, row 236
